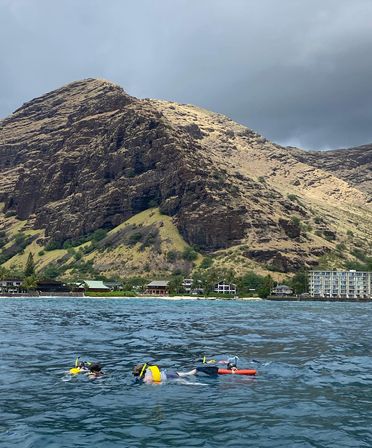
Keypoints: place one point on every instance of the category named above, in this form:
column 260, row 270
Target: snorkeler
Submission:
column 149, row 373
column 231, row 364
column 95, row 370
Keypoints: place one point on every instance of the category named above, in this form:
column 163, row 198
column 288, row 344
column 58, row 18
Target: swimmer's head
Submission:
column 231, row 365
column 95, row 368
column 138, row 369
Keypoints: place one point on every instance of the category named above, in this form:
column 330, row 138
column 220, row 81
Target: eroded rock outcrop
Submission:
column 89, row 156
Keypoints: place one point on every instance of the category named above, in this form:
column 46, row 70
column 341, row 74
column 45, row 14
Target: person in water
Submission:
column 149, row 373
column 83, row 366
column 95, row 370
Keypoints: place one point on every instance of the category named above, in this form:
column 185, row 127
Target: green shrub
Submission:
column 19, row 238
column 53, row 245
column 99, row 235
column 77, row 256
column 292, row 197
column 52, row 271
column 67, row 244
column 172, row 256
column 110, row 294
column 206, row 263
column 359, row 254
column 134, row 238
column 341, row 247
column 189, row 254
column 296, row 221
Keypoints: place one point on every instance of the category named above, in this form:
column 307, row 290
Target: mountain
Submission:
column 92, row 176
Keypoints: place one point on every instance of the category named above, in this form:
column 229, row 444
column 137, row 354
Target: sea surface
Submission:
column 313, row 387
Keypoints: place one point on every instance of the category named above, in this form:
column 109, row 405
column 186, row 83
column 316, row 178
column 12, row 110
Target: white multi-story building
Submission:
column 225, row 288
column 191, row 287
column 340, row 284
column 11, row 286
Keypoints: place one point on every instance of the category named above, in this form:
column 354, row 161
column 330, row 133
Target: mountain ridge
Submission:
column 89, row 156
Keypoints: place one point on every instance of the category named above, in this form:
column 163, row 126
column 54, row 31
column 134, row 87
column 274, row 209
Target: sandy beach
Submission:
column 174, row 298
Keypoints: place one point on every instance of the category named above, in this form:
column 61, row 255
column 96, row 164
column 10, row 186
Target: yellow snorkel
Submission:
column 142, row 371
column 208, row 361
column 75, row 370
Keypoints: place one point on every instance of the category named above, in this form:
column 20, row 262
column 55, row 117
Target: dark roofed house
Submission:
column 51, row 286
column 158, row 288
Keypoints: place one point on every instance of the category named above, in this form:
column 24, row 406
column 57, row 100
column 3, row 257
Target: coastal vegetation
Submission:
column 250, row 284
column 148, row 246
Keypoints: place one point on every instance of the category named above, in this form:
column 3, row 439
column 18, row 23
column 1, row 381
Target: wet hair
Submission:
column 231, row 365
column 137, row 369
column 95, row 368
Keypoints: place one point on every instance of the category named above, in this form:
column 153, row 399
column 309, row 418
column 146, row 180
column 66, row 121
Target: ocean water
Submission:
column 313, row 387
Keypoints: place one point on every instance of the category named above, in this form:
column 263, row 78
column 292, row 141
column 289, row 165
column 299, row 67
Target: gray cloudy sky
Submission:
column 297, row 71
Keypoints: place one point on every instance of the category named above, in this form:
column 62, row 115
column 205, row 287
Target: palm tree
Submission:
column 29, row 283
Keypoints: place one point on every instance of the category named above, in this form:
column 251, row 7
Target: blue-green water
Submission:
column 313, row 387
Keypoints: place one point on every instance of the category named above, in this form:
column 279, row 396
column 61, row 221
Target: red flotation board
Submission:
column 237, row 372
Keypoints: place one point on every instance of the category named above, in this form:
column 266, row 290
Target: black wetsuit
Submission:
column 208, row 370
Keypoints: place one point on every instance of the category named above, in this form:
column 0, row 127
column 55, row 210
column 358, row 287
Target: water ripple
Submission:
column 313, row 387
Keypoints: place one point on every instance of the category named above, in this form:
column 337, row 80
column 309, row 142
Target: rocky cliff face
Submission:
column 90, row 156
column 353, row 165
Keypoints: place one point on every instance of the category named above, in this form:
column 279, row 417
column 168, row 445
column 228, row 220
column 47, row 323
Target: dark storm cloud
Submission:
column 297, row 71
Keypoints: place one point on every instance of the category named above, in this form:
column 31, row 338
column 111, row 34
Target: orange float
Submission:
column 237, row 372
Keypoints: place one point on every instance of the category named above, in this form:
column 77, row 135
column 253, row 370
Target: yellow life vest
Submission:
column 75, row 370
column 156, row 375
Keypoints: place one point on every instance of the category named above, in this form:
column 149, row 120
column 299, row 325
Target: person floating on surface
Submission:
column 149, row 373
column 93, row 369
column 230, row 362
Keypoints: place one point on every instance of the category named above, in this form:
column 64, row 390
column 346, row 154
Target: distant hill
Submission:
column 169, row 184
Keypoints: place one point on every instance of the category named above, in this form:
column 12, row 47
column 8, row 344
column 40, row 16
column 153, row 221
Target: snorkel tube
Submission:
column 79, row 366
column 155, row 372
column 75, row 370
column 142, row 371
column 231, row 360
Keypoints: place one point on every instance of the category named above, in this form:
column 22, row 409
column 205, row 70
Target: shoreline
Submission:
column 191, row 298
column 171, row 298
